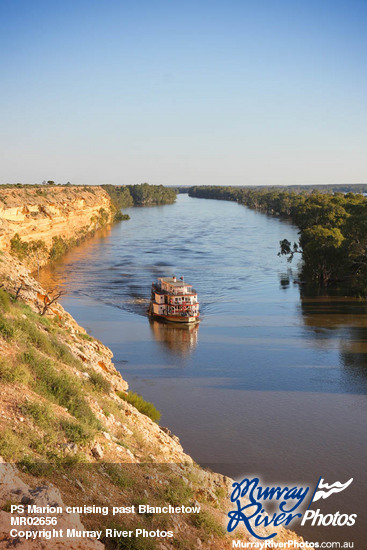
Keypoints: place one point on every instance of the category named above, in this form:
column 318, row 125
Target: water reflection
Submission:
column 284, row 280
column 67, row 273
column 340, row 322
column 177, row 339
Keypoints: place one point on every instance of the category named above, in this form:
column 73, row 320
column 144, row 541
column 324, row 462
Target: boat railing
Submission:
column 173, row 291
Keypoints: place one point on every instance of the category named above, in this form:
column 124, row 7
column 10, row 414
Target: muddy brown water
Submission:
column 271, row 383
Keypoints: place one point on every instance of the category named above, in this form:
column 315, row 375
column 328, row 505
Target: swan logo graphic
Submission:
column 323, row 490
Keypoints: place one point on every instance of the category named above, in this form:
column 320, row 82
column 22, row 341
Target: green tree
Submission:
column 322, row 252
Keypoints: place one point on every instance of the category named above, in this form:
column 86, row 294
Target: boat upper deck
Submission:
column 174, row 291
column 170, row 285
column 172, row 281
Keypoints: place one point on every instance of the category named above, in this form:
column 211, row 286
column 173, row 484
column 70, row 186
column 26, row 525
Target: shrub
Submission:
column 86, row 337
column 44, row 445
column 145, row 407
column 48, row 323
column 35, row 467
column 119, row 216
column 99, row 382
column 22, row 249
column 41, row 413
column 103, row 216
column 18, row 247
column 42, row 341
column 61, row 387
column 205, row 521
column 25, row 308
column 76, row 432
column 178, row 492
column 59, row 247
column 13, row 374
column 6, row 329
column 4, row 300
column 117, row 475
column 71, row 460
column 11, row 445
column 63, row 353
column 35, row 336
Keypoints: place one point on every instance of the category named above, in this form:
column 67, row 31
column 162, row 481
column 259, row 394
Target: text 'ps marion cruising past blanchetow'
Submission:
column 174, row 301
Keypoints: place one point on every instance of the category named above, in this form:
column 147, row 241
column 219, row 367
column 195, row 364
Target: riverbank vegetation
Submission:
column 333, row 230
column 358, row 188
column 124, row 196
column 143, row 406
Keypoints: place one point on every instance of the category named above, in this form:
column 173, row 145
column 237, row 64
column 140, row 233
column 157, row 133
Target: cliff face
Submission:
column 44, row 214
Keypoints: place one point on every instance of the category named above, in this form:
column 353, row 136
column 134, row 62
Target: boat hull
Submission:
column 176, row 319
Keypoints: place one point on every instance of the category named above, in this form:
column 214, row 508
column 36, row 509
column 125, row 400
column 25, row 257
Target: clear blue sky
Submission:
column 183, row 92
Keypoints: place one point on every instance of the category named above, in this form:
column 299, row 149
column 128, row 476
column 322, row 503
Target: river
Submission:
column 272, row 382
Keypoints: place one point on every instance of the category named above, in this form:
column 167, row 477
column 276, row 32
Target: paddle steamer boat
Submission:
column 174, row 301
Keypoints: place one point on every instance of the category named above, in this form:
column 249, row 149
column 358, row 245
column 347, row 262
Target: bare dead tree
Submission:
column 50, row 298
column 18, row 291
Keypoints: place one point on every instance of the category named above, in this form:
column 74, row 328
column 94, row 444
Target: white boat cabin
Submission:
column 172, row 297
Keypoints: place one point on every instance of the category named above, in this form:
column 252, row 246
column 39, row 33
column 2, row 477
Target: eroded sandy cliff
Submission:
column 47, row 214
